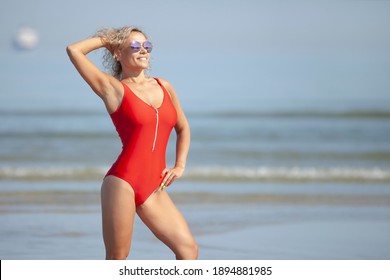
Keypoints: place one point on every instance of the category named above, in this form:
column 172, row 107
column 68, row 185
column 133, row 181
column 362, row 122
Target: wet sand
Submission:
column 229, row 221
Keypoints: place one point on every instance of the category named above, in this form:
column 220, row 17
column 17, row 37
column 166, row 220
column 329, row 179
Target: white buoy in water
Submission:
column 26, row 38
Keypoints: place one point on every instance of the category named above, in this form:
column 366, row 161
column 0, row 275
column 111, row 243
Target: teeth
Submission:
column 142, row 58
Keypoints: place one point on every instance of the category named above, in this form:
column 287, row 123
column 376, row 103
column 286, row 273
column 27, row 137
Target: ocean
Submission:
column 288, row 139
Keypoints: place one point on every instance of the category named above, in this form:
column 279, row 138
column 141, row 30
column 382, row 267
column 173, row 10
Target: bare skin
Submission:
column 158, row 212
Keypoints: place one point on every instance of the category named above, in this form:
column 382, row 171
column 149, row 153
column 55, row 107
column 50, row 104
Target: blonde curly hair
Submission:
column 114, row 38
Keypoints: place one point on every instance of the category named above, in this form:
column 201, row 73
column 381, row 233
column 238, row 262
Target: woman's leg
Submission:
column 118, row 211
column 162, row 217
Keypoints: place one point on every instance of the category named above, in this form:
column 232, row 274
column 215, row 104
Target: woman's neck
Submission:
column 134, row 77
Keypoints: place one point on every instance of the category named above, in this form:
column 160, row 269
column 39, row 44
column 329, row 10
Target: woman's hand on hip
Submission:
column 170, row 175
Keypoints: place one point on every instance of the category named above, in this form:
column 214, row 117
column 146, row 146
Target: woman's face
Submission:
column 134, row 59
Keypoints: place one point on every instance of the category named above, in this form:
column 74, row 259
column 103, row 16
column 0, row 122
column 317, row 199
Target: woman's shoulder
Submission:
column 166, row 85
column 163, row 81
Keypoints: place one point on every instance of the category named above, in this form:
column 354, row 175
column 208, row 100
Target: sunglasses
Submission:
column 136, row 46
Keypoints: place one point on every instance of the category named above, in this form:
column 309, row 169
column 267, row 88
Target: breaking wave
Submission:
column 284, row 174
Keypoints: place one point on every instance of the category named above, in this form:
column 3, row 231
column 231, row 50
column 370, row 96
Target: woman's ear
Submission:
column 117, row 55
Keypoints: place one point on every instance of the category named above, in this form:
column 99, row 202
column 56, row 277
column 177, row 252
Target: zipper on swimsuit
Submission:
column 155, row 133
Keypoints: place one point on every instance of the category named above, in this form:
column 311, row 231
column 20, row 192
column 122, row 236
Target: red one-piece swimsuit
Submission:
column 144, row 131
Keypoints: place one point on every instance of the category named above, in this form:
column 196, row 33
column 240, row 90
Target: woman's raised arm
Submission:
column 103, row 84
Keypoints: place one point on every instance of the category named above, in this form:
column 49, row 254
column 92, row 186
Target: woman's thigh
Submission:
column 118, row 211
column 163, row 218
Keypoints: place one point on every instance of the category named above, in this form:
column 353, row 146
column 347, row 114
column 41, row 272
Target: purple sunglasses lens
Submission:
column 148, row 46
column 135, row 46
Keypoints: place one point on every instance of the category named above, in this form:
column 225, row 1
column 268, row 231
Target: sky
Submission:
column 214, row 25
column 287, row 51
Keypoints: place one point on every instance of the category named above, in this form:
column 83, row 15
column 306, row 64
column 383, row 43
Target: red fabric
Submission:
column 136, row 121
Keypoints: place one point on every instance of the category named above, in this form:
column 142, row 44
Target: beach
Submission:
column 283, row 168
column 260, row 223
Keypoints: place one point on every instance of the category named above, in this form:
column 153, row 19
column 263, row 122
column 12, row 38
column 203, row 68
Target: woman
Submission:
column 144, row 110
